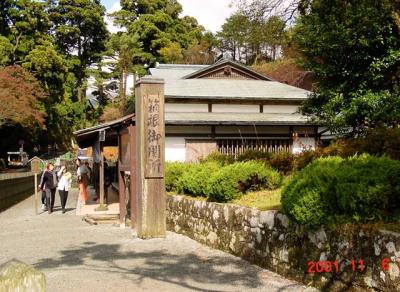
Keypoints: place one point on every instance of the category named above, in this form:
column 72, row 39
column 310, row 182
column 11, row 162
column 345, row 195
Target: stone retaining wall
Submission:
column 270, row 240
column 14, row 188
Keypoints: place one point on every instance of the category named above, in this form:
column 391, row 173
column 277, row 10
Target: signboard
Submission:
column 154, row 138
column 36, row 164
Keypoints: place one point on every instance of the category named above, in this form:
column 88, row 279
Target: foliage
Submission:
column 80, row 33
column 254, row 155
column 173, row 171
column 282, row 161
column 194, row 180
column 56, row 41
column 161, row 31
column 353, row 48
column 20, row 94
column 127, row 50
column 304, row 158
column 381, row 141
column 251, row 38
column 2, row 164
column 332, row 190
column 218, row 157
column 172, row 53
column 235, row 179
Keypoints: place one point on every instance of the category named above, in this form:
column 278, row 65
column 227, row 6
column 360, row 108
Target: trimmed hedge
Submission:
column 173, row 171
column 194, row 179
column 232, row 180
column 331, row 190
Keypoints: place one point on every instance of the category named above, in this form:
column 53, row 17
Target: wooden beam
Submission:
column 121, row 186
column 133, row 175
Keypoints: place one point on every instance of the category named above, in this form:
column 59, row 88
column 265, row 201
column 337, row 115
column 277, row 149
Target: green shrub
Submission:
column 360, row 188
column 173, row 171
column 220, row 158
column 194, row 180
column 254, row 155
column 2, row 164
column 232, row 180
column 380, row 141
column 304, row 158
column 367, row 185
column 310, row 195
column 282, row 161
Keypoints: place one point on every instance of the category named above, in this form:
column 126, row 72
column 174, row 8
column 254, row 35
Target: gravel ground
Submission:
column 76, row 256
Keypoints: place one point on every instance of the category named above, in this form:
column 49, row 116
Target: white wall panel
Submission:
column 186, row 108
column 235, row 108
column 280, row 109
column 175, row 149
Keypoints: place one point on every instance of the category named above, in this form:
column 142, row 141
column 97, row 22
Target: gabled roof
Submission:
column 175, row 71
column 233, row 89
column 226, row 63
column 211, row 82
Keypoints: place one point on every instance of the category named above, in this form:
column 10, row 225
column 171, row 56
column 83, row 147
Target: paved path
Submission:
column 78, row 257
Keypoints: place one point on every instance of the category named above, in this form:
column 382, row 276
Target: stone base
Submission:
column 17, row 276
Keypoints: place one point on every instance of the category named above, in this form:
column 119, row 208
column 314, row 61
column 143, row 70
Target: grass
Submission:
column 262, row 200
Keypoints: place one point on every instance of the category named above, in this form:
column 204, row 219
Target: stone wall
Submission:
column 15, row 187
column 271, row 240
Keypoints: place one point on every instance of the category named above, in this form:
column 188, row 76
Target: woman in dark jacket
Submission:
column 49, row 184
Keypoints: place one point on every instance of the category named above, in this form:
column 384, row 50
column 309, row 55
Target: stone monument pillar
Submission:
column 150, row 145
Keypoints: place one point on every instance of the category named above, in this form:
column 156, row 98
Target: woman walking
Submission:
column 64, row 184
column 82, row 173
column 49, row 185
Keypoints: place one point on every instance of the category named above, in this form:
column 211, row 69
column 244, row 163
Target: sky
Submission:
column 209, row 13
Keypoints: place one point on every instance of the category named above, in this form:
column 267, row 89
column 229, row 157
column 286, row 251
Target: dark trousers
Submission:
column 43, row 197
column 50, row 196
column 63, row 198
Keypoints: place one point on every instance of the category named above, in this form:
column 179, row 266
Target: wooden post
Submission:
column 121, row 192
column 150, row 145
column 102, row 207
column 133, row 172
column 36, row 194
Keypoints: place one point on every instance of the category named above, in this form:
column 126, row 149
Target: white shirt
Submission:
column 65, row 182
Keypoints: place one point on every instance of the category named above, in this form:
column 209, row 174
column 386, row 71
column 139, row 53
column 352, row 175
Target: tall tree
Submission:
column 20, row 95
column 80, row 33
column 354, row 49
column 127, row 50
column 158, row 25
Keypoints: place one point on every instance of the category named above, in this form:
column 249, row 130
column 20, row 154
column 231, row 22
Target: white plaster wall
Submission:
column 280, row 109
column 301, row 144
column 175, row 149
column 186, row 108
column 235, row 108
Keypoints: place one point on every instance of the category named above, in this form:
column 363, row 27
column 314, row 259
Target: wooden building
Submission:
column 228, row 107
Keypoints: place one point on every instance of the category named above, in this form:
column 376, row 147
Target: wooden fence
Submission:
column 235, row 147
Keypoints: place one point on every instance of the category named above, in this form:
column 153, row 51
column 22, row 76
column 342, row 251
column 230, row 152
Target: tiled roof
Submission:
column 178, row 86
column 234, row 119
column 232, row 89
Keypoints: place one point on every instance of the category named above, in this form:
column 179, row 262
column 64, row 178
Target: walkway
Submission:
column 78, row 257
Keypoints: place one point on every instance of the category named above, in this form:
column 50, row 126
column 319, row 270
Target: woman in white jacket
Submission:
column 64, row 184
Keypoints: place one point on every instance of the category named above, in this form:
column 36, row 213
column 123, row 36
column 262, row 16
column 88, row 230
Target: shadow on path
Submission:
column 187, row 270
